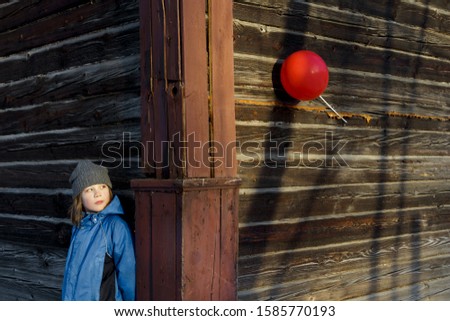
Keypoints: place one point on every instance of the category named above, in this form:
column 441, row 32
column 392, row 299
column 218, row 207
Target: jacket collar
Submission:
column 114, row 207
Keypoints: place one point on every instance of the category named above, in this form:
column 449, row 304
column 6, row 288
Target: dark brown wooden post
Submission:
column 186, row 213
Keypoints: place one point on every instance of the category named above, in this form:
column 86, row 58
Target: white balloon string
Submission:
column 334, row 111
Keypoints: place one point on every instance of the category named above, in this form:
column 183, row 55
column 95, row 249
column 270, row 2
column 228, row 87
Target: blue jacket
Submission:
column 98, row 234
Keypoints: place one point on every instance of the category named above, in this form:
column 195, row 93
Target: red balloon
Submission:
column 304, row 75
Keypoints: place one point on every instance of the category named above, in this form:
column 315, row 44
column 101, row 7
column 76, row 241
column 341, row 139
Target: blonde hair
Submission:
column 76, row 209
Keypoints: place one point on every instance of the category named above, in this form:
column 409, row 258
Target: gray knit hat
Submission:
column 86, row 174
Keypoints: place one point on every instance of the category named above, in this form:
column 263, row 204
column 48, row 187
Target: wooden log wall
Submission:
column 334, row 212
column 69, row 83
column 345, row 212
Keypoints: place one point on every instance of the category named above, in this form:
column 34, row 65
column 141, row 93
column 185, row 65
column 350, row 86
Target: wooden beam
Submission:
column 195, row 87
column 186, row 214
column 222, row 88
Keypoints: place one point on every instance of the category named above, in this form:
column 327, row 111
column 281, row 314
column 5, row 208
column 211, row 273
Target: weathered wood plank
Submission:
column 31, row 272
column 43, row 231
column 229, row 243
column 305, row 203
column 75, row 143
column 364, row 114
column 354, row 284
column 106, row 44
column 221, row 65
column 91, row 111
column 374, row 171
column 309, row 259
column 71, row 23
column 174, row 85
column 353, row 26
column 256, row 83
column 146, row 92
column 112, row 76
column 143, row 247
column 278, row 42
column 286, row 142
column 429, row 290
column 157, row 106
column 16, row 13
column 421, row 13
column 201, row 234
column 343, row 271
column 165, row 246
column 281, row 236
column 195, row 92
column 37, row 203
column 424, row 14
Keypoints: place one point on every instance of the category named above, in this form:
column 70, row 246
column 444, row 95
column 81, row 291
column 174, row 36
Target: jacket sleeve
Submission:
column 124, row 259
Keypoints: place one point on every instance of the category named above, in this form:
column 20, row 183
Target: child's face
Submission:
column 95, row 197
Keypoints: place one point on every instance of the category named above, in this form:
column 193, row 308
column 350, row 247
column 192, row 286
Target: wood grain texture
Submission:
column 31, row 272
column 69, row 22
column 189, row 227
column 332, row 212
column 221, row 64
column 69, row 69
column 372, row 269
column 376, row 65
column 196, row 84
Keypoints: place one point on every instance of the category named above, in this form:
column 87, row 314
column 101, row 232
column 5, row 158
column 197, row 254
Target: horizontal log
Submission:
column 429, row 290
column 277, row 43
column 342, row 255
column 249, row 109
column 89, row 112
column 16, row 13
column 71, row 23
column 322, row 200
column 45, row 231
column 271, row 141
column 355, row 284
column 375, row 171
column 255, row 239
column 107, row 44
column 18, row 290
column 108, row 77
column 347, row 270
column 31, row 272
column 257, row 80
column 109, row 143
column 423, row 13
column 352, row 26
column 54, row 203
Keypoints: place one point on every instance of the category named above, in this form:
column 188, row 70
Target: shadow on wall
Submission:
column 413, row 227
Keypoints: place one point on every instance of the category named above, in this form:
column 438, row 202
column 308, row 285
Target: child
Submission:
column 100, row 262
